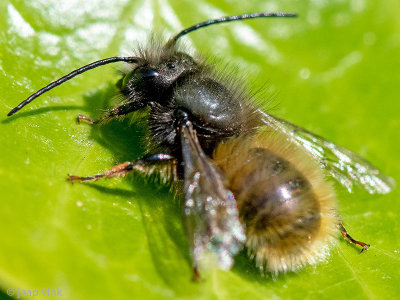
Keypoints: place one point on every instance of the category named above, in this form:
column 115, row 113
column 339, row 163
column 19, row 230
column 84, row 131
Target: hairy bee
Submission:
column 249, row 178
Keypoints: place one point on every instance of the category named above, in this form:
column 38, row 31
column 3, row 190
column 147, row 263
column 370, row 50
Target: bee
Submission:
column 248, row 178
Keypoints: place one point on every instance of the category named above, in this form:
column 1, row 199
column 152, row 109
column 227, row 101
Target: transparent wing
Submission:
column 348, row 168
column 210, row 211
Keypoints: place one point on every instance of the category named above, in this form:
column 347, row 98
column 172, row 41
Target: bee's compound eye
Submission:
column 139, row 74
column 147, row 73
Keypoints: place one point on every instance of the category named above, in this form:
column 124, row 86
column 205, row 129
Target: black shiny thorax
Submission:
column 212, row 109
column 173, row 84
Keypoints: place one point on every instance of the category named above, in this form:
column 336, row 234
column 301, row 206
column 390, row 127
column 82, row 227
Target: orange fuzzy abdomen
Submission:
column 284, row 203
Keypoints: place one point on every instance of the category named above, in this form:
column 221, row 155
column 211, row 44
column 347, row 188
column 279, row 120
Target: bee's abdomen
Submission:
column 288, row 212
column 275, row 201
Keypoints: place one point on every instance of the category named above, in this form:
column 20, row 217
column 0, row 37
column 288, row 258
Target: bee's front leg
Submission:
column 118, row 111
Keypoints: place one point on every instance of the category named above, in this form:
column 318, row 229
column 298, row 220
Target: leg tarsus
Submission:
column 347, row 236
column 85, row 118
column 119, row 170
column 144, row 165
column 116, row 171
column 118, row 111
column 73, row 178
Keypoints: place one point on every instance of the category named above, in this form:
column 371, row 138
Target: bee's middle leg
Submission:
column 164, row 164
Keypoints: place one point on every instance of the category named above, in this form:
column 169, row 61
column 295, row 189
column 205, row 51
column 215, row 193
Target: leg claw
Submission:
column 73, row 178
column 364, row 248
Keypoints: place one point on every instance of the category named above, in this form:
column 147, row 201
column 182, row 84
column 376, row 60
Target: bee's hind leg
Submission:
column 347, row 236
column 163, row 164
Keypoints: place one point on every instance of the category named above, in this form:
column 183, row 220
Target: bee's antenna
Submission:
column 69, row 76
column 229, row 19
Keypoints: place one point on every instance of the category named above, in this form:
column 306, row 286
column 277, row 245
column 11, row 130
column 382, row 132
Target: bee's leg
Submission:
column 347, row 236
column 120, row 110
column 81, row 117
column 196, row 274
column 164, row 164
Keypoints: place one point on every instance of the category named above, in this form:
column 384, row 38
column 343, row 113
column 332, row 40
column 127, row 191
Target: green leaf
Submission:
column 333, row 70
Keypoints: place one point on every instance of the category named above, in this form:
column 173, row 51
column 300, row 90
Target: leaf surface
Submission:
column 333, row 70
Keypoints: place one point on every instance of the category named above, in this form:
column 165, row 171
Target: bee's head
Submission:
column 156, row 75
